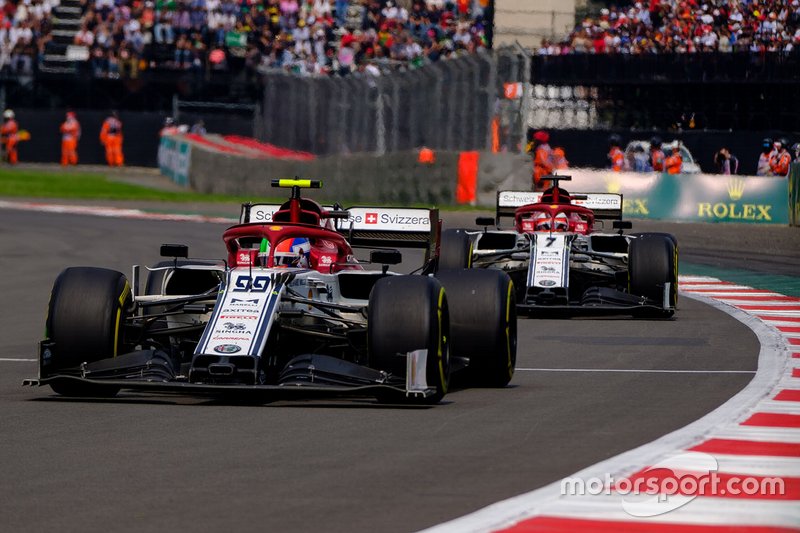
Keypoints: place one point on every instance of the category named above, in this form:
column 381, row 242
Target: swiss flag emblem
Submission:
column 371, row 218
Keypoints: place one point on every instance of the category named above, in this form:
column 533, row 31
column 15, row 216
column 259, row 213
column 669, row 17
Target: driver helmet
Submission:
column 543, row 222
column 560, row 222
column 293, row 252
column 8, row 114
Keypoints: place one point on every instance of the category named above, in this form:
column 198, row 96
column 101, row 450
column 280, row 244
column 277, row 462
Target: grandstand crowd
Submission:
column 25, row 27
column 685, row 26
column 302, row 36
column 340, row 37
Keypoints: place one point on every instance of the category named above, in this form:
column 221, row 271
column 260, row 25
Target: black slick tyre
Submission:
column 652, row 263
column 483, row 323
column 408, row 313
column 455, row 250
column 85, row 315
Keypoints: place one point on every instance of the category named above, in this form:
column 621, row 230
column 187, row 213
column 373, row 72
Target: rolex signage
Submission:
column 691, row 197
column 715, row 198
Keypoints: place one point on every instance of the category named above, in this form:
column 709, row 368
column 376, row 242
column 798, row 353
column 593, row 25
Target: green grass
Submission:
column 85, row 186
column 36, row 184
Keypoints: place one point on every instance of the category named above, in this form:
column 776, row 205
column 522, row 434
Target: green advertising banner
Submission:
column 174, row 158
column 692, row 197
column 794, row 195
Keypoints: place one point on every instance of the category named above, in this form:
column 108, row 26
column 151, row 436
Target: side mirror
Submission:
column 336, row 214
column 175, row 250
column 622, row 224
column 385, row 257
column 485, row 221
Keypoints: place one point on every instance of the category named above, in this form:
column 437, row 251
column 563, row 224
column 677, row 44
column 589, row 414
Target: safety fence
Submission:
column 447, row 105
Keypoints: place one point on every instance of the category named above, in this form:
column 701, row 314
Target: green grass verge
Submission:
column 36, row 184
column 85, row 186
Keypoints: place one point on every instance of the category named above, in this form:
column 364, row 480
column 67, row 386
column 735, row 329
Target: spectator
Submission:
column 365, row 38
column 726, row 162
column 781, row 159
column 674, row 162
column 542, row 160
column 560, row 159
column 616, row 156
column 767, row 152
column 9, row 137
column 641, row 161
column 657, row 156
column 70, row 135
column 198, row 128
column 685, row 26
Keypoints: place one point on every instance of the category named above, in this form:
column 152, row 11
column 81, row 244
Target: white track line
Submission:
column 112, row 212
column 772, row 361
column 636, row 370
column 15, row 360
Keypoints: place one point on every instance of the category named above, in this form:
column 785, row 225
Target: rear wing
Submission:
column 262, row 213
column 605, row 206
column 397, row 227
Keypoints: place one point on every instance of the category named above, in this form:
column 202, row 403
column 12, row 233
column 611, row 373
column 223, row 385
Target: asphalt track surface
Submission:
column 156, row 463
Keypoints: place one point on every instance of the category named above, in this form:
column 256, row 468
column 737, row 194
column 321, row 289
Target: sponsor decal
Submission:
column 251, row 284
column 734, row 211
column 410, row 219
column 276, row 228
column 251, row 316
column 227, row 348
column 325, row 260
column 244, row 258
column 735, row 188
column 244, row 303
column 635, row 206
column 517, row 198
column 238, row 326
column 220, row 336
column 262, row 213
column 547, row 282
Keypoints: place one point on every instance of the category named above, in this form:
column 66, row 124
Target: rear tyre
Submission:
column 653, row 262
column 483, row 323
column 408, row 313
column 669, row 236
column 84, row 321
column 455, row 249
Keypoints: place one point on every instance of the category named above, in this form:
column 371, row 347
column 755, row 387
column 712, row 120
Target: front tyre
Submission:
column 652, row 263
column 84, row 322
column 408, row 313
column 483, row 323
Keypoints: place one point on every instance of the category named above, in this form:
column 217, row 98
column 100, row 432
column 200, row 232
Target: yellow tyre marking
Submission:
column 442, row 377
column 469, row 257
column 124, row 296
column 508, row 328
column 676, row 275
